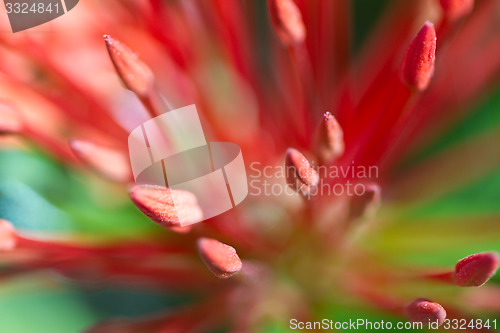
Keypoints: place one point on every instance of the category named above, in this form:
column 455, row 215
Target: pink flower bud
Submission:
column 221, row 259
column 165, row 206
column 301, row 176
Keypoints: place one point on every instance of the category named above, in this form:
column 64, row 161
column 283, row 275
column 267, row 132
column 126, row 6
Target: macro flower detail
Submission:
column 370, row 144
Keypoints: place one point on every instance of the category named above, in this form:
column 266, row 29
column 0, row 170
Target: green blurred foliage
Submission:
column 38, row 193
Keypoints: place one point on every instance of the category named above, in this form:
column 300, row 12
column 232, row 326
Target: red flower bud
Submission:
column 418, row 63
column 329, row 140
column 475, row 270
column 425, row 312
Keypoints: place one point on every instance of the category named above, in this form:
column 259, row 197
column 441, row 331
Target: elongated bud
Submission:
column 329, row 142
column 456, row 9
column 287, row 21
column 169, row 208
column 418, row 63
column 10, row 120
column 426, row 312
column 135, row 74
column 108, row 162
column 475, row 270
column 7, row 236
column 300, row 175
column 367, row 203
column 221, row 259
